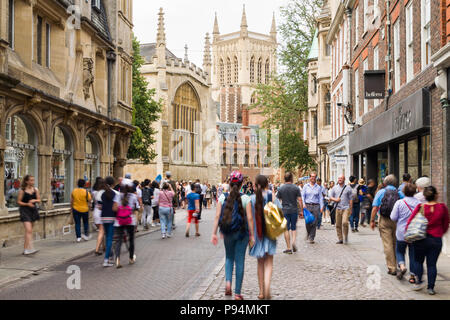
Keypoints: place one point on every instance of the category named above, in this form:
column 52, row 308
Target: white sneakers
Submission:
column 106, row 263
column 86, row 238
column 29, row 251
column 78, row 239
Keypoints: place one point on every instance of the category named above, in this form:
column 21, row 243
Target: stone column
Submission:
column 78, row 163
column 44, row 175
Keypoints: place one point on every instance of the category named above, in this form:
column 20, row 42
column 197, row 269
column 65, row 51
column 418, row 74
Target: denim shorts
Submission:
column 291, row 221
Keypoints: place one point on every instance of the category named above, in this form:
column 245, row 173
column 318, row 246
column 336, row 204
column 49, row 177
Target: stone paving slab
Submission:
column 325, row 270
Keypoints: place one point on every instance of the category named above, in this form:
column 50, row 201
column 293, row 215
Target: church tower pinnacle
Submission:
column 161, row 40
column 273, row 29
column 244, row 25
column 216, row 31
column 207, row 60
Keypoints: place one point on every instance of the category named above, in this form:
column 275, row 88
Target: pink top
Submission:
column 165, row 198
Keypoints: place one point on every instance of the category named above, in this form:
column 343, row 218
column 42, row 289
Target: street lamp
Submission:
column 348, row 109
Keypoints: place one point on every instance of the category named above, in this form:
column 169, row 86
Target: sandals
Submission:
column 261, row 297
column 412, row 280
column 228, row 290
column 238, row 297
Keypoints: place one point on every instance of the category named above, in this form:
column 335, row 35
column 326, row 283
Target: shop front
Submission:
column 340, row 161
column 395, row 142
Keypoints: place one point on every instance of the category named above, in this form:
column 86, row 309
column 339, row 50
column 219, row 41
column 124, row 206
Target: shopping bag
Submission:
column 309, row 217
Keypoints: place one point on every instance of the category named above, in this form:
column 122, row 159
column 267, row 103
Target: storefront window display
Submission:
column 426, row 156
column 383, row 167
column 413, row 159
column 20, row 157
column 61, row 166
column 91, row 165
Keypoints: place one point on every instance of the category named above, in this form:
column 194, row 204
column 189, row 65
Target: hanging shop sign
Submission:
column 374, row 84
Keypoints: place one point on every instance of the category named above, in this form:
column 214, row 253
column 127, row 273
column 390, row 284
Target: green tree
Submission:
column 146, row 110
column 284, row 101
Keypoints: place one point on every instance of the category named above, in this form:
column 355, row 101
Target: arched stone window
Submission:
column 257, row 161
column 236, row 70
column 185, row 127
column 235, row 159
column 91, row 161
column 246, row 161
column 224, row 159
column 327, row 108
column 20, row 156
column 221, row 73
column 229, row 71
column 62, row 164
column 267, row 71
column 260, row 70
column 252, row 70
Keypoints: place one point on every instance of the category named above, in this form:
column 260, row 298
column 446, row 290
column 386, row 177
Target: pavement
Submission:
column 192, row 268
column 325, row 270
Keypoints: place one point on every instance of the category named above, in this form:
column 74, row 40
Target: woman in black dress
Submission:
column 27, row 200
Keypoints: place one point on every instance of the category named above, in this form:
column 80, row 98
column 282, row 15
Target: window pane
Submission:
column 401, row 157
column 426, row 156
column 61, row 164
column 413, row 159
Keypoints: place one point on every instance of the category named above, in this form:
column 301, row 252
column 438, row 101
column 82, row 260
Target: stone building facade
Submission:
column 65, row 102
column 186, row 132
column 241, row 60
column 319, row 95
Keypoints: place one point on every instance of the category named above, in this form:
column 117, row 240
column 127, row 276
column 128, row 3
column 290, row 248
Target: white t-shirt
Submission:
column 133, row 202
column 155, row 200
column 188, row 189
column 97, row 195
column 204, row 187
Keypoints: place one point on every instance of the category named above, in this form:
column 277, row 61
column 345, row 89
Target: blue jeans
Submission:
column 400, row 250
column 109, row 233
column 354, row 218
column 77, row 216
column 235, row 247
column 166, row 216
column 429, row 248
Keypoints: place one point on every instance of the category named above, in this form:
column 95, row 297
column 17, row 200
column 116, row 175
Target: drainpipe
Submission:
column 389, row 53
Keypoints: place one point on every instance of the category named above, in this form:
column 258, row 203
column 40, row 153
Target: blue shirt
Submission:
column 191, row 200
column 312, row 194
column 380, row 194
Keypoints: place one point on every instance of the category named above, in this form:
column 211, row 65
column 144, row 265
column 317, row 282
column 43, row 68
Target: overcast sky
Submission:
column 187, row 22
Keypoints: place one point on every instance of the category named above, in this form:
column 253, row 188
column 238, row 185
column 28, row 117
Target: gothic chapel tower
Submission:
column 241, row 60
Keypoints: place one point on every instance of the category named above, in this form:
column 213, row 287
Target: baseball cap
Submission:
column 128, row 176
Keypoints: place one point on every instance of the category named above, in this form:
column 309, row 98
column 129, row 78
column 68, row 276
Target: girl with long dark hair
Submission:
column 264, row 248
column 27, row 199
column 236, row 226
column 110, row 203
column 97, row 192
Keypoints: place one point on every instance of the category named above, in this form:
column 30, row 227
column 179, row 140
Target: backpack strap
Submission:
column 408, row 206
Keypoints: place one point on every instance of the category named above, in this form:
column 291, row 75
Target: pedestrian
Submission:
column 326, row 214
column 331, row 212
column 384, row 201
column 173, row 185
column 126, row 221
column 28, row 200
column 365, row 203
column 110, row 204
column 264, row 248
column 214, row 194
column 155, row 203
column 166, row 210
column 147, row 195
column 80, row 202
column 193, row 210
column 183, row 195
column 313, row 200
column 421, row 184
column 208, row 196
column 370, row 196
column 400, row 214
column 234, row 214
column 291, row 199
column 203, row 194
column 430, row 247
column 342, row 197
column 98, row 189
column 406, row 179
column 139, row 209
column 198, row 189
column 354, row 217
column 324, row 194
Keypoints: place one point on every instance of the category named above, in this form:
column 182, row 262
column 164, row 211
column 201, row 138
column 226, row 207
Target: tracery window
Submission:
column 221, row 73
column 186, row 115
column 267, row 71
column 252, row 70
column 228, row 71
column 260, row 70
column 61, row 166
column 91, row 162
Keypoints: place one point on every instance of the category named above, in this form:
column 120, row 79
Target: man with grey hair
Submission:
column 342, row 196
column 421, row 184
column 384, row 202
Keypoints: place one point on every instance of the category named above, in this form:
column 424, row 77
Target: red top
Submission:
column 437, row 216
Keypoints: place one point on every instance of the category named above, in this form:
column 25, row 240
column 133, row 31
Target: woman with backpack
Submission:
column 80, row 200
column 110, row 199
column 234, row 216
column 430, row 247
column 155, row 202
column 264, row 248
column 126, row 221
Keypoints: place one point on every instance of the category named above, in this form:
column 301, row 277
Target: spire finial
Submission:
column 273, row 29
column 186, row 58
column 244, row 19
column 207, row 54
column 161, row 36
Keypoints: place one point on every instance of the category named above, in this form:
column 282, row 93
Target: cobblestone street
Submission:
column 325, row 270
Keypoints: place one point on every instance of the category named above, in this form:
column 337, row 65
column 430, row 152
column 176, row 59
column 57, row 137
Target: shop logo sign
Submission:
column 402, row 121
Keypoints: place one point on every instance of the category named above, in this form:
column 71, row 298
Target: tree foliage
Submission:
column 146, row 110
column 283, row 101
